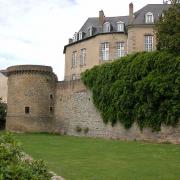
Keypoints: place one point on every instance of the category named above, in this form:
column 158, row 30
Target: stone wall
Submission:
column 3, row 87
column 74, row 109
column 31, row 87
column 93, row 55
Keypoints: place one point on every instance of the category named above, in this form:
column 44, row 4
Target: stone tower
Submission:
column 31, row 91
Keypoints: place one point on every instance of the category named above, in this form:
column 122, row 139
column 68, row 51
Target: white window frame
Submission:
column 148, row 43
column 149, row 18
column 75, row 37
column 74, row 59
column 120, row 49
column 106, row 27
column 80, row 35
column 105, row 51
column 73, row 77
column 120, row 26
column 82, row 57
column 90, row 31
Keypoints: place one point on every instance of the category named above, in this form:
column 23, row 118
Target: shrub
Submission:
column 142, row 88
column 78, row 129
column 2, row 114
column 86, row 130
column 13, row 164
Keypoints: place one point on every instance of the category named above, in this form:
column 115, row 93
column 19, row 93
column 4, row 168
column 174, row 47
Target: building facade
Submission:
column 3, row 87
column 38, row 102
column 107, row 38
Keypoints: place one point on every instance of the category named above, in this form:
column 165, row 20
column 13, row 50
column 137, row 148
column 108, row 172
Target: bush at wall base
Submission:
column 2, row 114
column 13, row 165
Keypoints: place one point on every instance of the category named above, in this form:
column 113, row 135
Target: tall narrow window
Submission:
column 75, row 37
column 51, row 96
column 149, row 17
column 51, row 109
column 120, row 26
column 82, row 57
column 106, row 27
column 90, row 31
column 73, row 77
column 74, row 59
column 27, row 110
column 148, row 43
column 80, row 35
column 120, row 49
column 105, row 51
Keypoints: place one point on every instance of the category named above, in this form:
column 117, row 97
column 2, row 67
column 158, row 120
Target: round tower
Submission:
column 31, row 91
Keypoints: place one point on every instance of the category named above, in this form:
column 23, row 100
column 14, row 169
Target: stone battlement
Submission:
column 29, row 69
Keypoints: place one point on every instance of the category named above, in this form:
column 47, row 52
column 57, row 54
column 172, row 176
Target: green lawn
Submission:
column 98, row 159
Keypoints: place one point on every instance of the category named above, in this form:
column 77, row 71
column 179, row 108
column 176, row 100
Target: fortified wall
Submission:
column 3, row 87
column 30, row 96
column 38, row 102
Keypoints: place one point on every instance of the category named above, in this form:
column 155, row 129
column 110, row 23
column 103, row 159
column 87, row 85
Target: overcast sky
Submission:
column 35, row 31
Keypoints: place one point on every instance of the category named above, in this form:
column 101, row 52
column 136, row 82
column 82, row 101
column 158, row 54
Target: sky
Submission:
column 35, row 31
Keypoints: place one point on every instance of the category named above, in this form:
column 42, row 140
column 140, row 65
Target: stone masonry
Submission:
column 64, row 107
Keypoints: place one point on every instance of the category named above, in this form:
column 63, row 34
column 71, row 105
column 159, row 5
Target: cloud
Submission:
column 30, row 32
column 35, row 31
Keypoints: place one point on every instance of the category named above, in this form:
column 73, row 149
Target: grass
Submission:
column 77, row 158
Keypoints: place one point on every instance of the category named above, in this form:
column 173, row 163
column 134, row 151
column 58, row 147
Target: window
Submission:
column 51, row 96
column 120, row 49
column 149, row 17
column 105, row 51
column 90, row 31
column 106, row 27
column 120, row 26
column 73, row 77
column 82, row 57
column 27, row 110
column 148, row 42
column 80, row 35
column 50, row 109
column 74, row 59
column 75, row 37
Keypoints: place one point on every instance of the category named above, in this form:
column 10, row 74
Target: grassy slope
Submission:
column 97, row 159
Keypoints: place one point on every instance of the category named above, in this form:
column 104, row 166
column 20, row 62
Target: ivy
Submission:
column 142, row 88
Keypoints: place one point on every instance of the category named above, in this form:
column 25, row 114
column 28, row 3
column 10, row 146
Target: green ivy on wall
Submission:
column 142, row 88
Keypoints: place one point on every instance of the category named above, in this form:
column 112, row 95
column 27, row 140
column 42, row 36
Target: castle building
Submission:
column 38, row 102
column 102, row 38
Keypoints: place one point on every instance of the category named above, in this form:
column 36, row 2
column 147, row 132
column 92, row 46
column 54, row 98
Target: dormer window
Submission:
column 80, row 35
column 75, row 37
column 106, row 27
column 149, row 18
column 90, row 31
column 120, row 26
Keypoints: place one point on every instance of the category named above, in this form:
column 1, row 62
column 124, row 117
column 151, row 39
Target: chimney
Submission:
column 131, row 11
column 70, row 40
column 101, row 17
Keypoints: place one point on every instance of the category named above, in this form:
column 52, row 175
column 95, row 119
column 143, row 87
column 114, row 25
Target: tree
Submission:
column 174, row 1
column 2, row 114
column 168, row 34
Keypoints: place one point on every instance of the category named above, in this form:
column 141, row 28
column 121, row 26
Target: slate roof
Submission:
column 139, row 19
column 94, row 22
column 156, row 9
